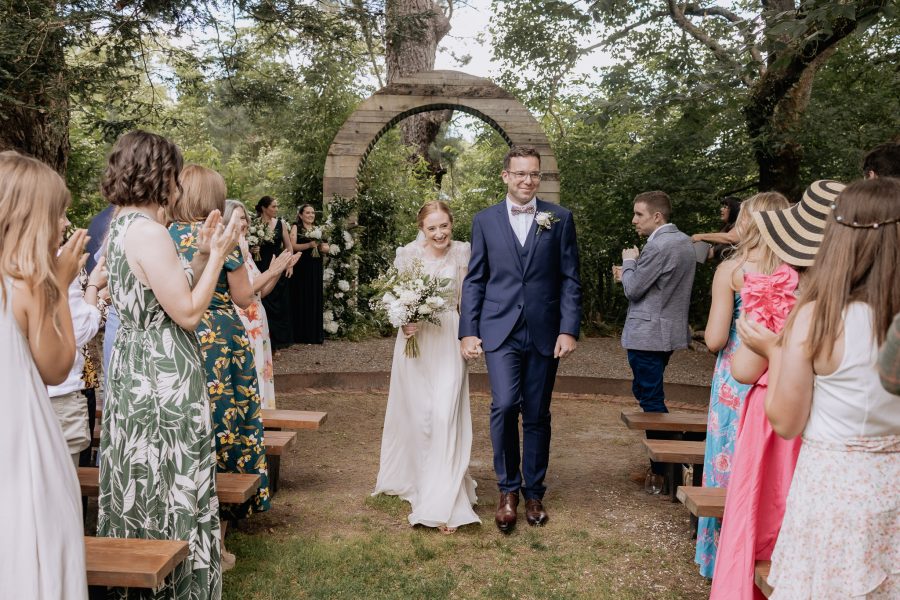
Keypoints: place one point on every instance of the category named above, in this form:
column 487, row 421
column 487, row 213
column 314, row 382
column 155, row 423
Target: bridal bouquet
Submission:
column 258, row 232
column 410, row 296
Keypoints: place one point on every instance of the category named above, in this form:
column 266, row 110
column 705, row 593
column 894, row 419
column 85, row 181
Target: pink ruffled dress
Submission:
column 763, row 463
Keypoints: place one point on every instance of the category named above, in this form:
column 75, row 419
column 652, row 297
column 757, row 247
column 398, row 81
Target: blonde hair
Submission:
column 202, row 191
column 432, row 207
column 750, row 237
column 230, row 207
column 33, row 198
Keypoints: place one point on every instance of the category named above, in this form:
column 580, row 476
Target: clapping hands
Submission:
column 216, row 238
column 71, row 258
column 285, row 261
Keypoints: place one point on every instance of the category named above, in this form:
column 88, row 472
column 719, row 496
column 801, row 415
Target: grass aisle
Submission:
column 326, row 537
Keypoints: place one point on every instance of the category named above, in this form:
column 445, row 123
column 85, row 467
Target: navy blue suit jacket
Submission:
column 499, row 287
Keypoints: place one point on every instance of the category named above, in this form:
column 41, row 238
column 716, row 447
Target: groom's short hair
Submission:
column 656, row 202
column 520, row 151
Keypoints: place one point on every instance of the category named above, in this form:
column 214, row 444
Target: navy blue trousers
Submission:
column 648, row 368
column 521, row 383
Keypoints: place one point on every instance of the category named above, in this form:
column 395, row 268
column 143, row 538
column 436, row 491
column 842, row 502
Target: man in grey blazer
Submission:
column 657, row 283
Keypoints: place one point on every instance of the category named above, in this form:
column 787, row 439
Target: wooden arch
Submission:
column 422, row 92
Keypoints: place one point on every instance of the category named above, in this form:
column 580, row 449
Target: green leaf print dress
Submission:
column 157, row 453
column 230, row 379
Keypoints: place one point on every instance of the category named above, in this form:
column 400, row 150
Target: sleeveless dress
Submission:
column 725, row 402
column 307, row 303
column 762, row 464
column 254, row 320
column 157, row 454
column 278, row 301
column 427, row 439
column 230, row 379
column 841, row 531
column 42, row 549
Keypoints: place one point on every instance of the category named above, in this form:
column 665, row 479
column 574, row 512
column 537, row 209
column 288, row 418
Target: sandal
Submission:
column 446, row 530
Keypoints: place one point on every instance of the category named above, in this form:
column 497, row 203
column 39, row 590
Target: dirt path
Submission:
column 606, row 537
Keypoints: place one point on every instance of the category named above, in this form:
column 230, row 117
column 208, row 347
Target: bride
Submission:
column 427, row 435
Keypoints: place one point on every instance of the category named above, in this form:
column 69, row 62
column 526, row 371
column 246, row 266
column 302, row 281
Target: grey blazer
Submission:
column 658, row 287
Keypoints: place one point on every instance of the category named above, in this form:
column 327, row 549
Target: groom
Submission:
column 521, row 305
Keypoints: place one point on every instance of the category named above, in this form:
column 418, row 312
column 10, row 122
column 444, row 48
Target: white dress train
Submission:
column 41, row 532
column 427, row 439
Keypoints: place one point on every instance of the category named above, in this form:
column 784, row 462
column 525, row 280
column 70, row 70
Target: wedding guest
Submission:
column 882, row 161
column 657, row 282
column 889, row 361
column 727, row 236
column 278, row 301
column 42, row 555
column 427, row 440
column 841, row 535
column 306, row 283
column 68, row 398
column 726, row 400
column 227, row 355
column 253, row 317
column 157, row 394
column 762, row 463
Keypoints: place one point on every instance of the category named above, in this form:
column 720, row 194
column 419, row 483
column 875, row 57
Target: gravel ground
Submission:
column 595, row 357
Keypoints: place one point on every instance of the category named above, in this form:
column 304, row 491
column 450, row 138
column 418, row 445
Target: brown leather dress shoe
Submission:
column 534, row 512
column 506, row 511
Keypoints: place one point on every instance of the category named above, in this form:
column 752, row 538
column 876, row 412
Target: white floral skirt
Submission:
column 841, row 532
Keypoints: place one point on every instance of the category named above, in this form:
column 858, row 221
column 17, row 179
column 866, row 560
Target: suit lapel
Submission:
column 508, row 233
column 533, row 235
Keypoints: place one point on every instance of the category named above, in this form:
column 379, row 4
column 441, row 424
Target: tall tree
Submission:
column 413, row 29
column 768, row 52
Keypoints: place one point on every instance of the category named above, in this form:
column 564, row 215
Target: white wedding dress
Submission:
column 427, row 438
column 41, row 533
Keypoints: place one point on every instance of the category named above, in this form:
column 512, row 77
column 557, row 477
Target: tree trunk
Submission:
column 34, row 111
column 413, row 30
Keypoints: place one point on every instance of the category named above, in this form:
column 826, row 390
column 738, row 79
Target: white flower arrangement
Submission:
column 258, row 232
column 545, row 220
column 343, row 285
column 334, row 249
column 410, row 296
column 328, row 275
column 315, row 233
column 348, row 240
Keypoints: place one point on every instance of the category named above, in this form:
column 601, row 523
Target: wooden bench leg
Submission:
column 674, row 483
column 274, row 472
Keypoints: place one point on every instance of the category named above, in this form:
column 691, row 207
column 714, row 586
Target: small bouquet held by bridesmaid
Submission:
column 316, row 234
column 258, row 232
column 410, row 296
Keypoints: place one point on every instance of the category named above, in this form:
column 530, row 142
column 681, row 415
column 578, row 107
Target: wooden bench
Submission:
column 761, row 577
column 292, row 419
column 674, row 453
column 276, row 443
column 703, row 501
column 231, row 488
column 134, row 563
column 650, row 421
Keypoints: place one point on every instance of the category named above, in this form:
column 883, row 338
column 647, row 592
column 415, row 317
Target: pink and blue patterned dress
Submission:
column 725, row 403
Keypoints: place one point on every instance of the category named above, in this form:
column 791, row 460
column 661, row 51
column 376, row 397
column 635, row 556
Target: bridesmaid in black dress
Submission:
column 278, row 302
column 306, row 284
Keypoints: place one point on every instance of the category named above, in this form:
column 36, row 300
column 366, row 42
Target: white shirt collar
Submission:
column 655, row 231
column 510, row 204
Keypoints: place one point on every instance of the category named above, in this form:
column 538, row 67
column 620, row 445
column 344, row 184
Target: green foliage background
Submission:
column 262, row 105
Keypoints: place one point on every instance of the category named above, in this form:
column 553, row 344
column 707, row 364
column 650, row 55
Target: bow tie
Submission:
column 523, row 210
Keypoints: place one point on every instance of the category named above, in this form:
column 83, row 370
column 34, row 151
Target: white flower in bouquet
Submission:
column 410, row 296
column 343, row 285
column 314, row 234
column 348, row 240
column 328, row 316
column 328, row 275
column 339, row 295
column 334, row 249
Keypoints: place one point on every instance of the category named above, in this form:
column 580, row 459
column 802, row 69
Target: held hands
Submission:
column 630, row 253
column 617, row 273
column 99, row 276
column 756, row 337
column 470, row 347
column 565, row 345
column 71, row 258
column 410, row 329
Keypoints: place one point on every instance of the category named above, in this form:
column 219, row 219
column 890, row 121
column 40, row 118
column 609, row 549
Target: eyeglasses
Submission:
column 536, row 175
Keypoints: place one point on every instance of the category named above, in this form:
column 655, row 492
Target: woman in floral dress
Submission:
column 230, row 369
column 726, row 394
column 157, row 453
column 254, row 315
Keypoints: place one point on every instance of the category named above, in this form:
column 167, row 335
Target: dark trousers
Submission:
column 521, row 382
column 648, row 367
column 84, row 459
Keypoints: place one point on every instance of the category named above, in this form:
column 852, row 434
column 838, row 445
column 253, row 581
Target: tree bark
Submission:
column 34, row 99
column 413, row 29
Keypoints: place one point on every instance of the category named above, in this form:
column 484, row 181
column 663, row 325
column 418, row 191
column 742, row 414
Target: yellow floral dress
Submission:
column 230, row 379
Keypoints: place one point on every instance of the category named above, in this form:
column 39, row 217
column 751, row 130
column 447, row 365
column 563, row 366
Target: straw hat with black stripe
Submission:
column 795, row 233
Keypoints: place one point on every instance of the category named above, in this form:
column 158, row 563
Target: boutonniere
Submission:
column 545, row 221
